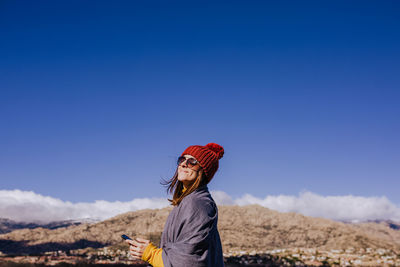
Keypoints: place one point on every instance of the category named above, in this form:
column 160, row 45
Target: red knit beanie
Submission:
column 208, row 157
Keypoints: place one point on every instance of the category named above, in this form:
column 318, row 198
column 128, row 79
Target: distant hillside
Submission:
column 255, row 227
column 7, row 225
column 241, row 228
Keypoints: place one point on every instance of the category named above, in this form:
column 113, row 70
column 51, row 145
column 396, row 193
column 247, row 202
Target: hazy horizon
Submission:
column 27, row 206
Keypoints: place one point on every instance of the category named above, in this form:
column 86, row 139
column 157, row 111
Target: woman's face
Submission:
column 187, row 175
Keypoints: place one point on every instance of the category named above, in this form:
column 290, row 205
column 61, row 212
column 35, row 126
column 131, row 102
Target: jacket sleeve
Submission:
column 194, row 239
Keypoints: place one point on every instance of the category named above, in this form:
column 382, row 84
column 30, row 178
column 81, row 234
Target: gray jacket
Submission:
column 190, row 237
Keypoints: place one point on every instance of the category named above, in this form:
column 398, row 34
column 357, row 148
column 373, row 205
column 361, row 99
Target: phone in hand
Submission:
column 126, row 237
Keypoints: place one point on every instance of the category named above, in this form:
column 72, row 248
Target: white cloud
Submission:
column 222, row 198
column 344, row 208
column 30, row 207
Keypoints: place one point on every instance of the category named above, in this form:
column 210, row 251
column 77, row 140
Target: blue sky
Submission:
column 99, row 98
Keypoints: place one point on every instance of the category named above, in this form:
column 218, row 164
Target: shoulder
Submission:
column 201, row 202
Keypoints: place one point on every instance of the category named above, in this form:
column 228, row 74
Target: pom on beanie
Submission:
column 208, row 157
column 219, row 150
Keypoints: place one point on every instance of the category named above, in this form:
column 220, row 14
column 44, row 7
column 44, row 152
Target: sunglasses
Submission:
column 190, row 161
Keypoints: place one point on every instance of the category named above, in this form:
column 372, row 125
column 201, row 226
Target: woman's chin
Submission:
column 182, row 179
column 186, row 182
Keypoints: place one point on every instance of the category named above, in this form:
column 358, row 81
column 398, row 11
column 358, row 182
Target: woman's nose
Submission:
column 184, row 163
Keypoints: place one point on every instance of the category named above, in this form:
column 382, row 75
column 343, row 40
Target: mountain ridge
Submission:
column 241, row 228
column 8, row 225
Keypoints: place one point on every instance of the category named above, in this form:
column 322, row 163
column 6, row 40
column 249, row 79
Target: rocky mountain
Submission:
column 7, row 225
column 263, row 228
column 242, row 228
column 389, row 223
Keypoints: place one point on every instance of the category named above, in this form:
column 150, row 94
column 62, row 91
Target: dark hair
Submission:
column 175, row 187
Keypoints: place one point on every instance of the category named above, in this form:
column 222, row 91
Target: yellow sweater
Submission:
column 153, row 255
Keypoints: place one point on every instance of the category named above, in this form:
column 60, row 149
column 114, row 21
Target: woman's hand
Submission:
column 137, row 247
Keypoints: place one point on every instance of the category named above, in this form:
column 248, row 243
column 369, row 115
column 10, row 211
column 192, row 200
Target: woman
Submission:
column 190, row 236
